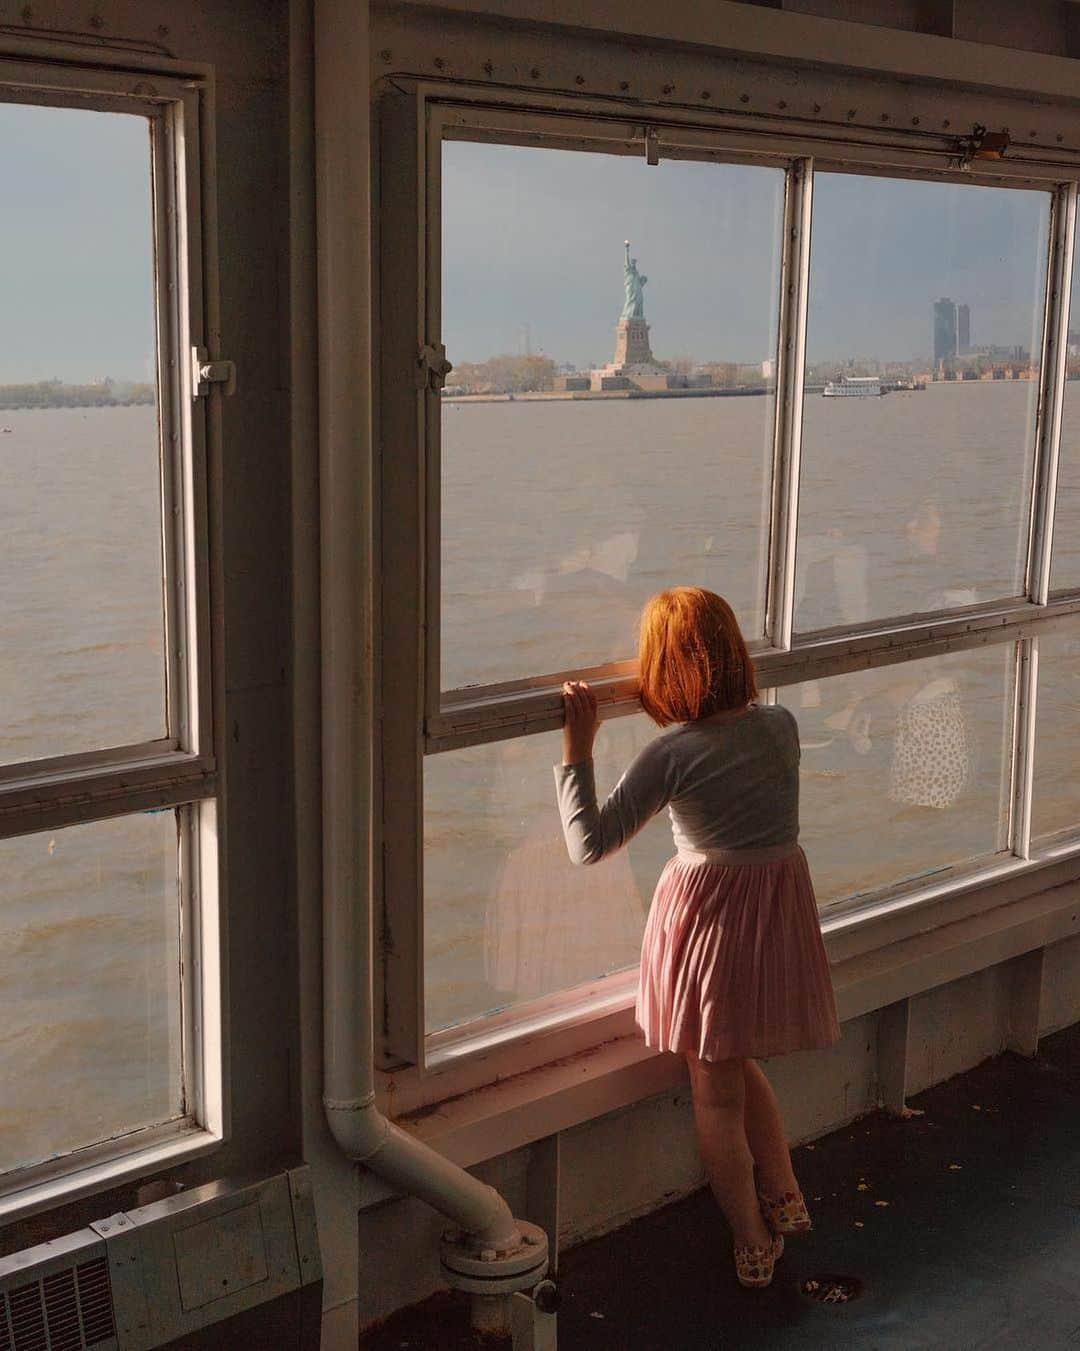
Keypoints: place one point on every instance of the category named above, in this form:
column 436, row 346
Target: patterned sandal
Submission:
column 787, row 1214
column 754, row 1265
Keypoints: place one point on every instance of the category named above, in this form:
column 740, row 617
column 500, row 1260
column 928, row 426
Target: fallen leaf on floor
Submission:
column 862, row 1187
column 596, row 1315
column 975, row 1107
column 883, row 1203
column 955, row 1167
column 859, row 1224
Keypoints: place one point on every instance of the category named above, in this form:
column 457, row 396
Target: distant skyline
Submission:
column 76, row 246
column 534, row 237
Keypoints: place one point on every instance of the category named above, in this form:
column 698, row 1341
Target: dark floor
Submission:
column 963, row 1225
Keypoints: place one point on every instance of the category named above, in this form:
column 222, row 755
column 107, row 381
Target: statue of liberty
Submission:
column 634, row 282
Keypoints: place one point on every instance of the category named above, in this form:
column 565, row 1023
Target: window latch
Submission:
column 205, row 373
column 652, row 146
column 981, row 144
column 432, row 367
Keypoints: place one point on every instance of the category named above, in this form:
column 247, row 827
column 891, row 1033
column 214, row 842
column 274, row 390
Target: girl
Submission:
column 732, row 962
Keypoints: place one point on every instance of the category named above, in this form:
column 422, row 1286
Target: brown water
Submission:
column 561, row 518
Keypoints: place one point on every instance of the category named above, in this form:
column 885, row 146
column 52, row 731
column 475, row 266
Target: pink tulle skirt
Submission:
column 732, row 962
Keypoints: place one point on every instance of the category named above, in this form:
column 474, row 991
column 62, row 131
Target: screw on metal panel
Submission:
column 1059, row 137
column 163, row 30
column 1033, row 132
column 945, row 123
column 579, row 79
column 914, row 121
column 705, row 94
column 670, row 89
column 782, row 103
column 96, row 21
column 385, row 54
column 884, row 117
column 851, row 113
column 488, row 68
column 624, row 85
column 817, row 107
column 535, row 73
column 439, row 63
column 744, row 98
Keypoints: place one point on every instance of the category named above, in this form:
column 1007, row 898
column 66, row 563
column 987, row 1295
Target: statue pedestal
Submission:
column 633, row 366
column 632, row 344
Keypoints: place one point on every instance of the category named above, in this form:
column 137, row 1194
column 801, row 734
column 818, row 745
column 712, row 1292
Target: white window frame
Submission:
column 178, row 771
column 422, row 719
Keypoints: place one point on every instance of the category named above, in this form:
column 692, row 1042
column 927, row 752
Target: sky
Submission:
column 76, row 246
column 535, row 237
column 533, row 240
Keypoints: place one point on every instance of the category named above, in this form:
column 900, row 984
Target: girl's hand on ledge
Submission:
column 579, row 729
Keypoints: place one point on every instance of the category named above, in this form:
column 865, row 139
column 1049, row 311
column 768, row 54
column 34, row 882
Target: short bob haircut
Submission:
column 694, row 661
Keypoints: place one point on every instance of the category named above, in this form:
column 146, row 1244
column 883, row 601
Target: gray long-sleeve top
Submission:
column 729, row 782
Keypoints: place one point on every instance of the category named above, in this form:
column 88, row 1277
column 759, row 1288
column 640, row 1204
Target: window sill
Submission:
column 510, row 1094
column 93, row 1170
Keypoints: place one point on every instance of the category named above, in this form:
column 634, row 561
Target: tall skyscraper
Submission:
column 963, row 330
column 945, row 326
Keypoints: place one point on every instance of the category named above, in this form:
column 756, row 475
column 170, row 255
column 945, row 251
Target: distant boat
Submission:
column 853, row 387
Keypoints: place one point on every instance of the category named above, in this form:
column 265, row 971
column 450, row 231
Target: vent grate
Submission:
column 68, row 1310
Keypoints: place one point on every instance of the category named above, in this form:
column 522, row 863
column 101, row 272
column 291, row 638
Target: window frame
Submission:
column 422, row 718
column 177, row 772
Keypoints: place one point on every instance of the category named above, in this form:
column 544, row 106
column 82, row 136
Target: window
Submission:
column 107, row 788
column 823, row 387
column 1055, row 808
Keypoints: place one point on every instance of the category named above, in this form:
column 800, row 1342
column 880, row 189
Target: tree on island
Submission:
column 504, row 374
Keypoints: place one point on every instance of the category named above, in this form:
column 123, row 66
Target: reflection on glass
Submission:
column 82, row 661
column 1065, row 560
column 915, row 498
column 508, row 918
column 607, row 429
column 89, row 985
column 1056, row 789
column 905, row 769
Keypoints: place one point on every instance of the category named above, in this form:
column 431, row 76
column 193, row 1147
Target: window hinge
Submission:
column 981, row 144
column 205, row 373
column 432, row 367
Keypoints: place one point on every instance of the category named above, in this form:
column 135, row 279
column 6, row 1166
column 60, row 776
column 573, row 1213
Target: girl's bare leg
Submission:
column 719, row 1090
column 765, row 1133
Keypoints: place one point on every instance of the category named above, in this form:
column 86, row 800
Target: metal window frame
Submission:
column 439, row 720
column 178, row 771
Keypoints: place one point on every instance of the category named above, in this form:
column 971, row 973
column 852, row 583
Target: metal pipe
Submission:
column 342, row 143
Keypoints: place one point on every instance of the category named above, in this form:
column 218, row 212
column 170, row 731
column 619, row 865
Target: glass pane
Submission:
column 589, row 459
column 508, row 918
column 82, row 652
column 1065, row 561
column 905, row 769
column 1056, row 791
column 921, row 388
column 89, row 985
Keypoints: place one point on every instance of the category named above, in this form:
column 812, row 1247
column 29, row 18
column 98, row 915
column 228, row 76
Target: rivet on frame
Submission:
column 579, row 79
column 817, row 107
column 744, row 98
column 1059, row 137
column 705, row 94
column 96, row 21
column 945, row 123
column 884, row 117
column 385, row 54
column 439, row 63
column 851, row 113
column 624, row 85
column 488, row 68
column 914, row 121
column 535, row 73
column 782, row 103
column 670, row 89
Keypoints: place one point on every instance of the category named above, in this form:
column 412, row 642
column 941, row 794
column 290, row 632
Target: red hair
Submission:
column 693, row 658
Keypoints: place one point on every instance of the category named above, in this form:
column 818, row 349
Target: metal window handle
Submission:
column 205, row 373
column 432, row 367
